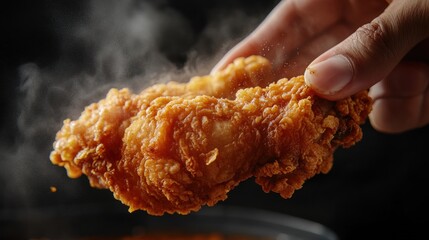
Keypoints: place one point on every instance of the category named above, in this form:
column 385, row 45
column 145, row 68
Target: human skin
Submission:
column 347, row 46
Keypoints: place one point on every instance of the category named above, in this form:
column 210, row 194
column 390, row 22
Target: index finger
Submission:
column 290, row 25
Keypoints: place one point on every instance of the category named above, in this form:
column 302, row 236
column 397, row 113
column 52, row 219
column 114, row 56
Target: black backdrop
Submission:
column 375, row 189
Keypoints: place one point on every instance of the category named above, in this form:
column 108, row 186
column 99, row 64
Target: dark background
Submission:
column 375, row 189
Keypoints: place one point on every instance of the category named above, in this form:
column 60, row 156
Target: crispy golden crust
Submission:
column 92, row 144
column 178, row 152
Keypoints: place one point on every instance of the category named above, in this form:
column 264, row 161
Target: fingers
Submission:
column 245, row 48
column 370, row 54
column 401, row 100
column 290, row 25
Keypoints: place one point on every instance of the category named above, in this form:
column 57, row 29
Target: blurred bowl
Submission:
column 215, row 223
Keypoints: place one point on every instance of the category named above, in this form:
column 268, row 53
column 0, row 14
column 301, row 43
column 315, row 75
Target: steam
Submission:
column 110, row 44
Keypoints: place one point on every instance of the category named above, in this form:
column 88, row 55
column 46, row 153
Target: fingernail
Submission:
column 215, row 69
column 329, row 76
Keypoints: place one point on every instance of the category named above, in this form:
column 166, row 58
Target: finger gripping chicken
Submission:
column 180, row 152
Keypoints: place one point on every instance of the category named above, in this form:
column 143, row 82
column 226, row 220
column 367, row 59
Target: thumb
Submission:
column 370, row 53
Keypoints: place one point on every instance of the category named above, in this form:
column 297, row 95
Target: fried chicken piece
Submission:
column 182, row 153
column 179, row 153
column 92, row 144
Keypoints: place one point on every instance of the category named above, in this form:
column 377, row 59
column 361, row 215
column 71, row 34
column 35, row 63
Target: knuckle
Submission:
column 374, row 36
column 372, row 30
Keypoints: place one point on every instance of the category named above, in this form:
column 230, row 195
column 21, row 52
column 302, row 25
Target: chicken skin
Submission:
column 177, row 152
column 93, row 143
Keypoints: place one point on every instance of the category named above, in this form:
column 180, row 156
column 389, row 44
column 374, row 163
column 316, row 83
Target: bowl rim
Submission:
column 230, row 218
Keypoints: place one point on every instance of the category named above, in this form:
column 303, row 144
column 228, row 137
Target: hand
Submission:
column 348, row 46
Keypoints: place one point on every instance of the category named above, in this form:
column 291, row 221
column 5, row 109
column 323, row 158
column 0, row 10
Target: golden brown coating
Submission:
column 182, row 153
column 179, row 153
column 92, row 144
